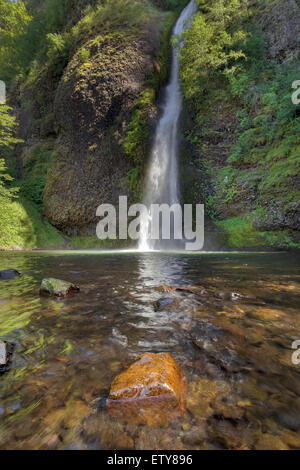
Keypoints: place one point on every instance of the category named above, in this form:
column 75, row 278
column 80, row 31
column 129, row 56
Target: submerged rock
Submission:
column 196, row 435
column 191, row 289
column 161, row 303
column 57, row 287
column 225, row 295
column 9, row 274
column 122, row 339
column 270, row 442
column 6, row 351
column 113, row 436
column 151, row 391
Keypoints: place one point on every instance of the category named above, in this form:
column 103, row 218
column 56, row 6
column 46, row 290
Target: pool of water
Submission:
column 231, row 330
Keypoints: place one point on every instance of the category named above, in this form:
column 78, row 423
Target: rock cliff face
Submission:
column 92, row 109
column 83, row 115
column 246, row 195
column 87, row 108
column 81, row 112
column 280, row 22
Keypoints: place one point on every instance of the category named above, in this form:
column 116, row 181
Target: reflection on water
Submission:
column 230, row 328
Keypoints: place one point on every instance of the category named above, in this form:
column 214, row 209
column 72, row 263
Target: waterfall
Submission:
column 162, row 185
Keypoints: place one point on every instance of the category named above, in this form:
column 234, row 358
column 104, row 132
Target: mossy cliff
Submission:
column 93, row 104
column 84, row 81
column 240, row 133
column 92, row 109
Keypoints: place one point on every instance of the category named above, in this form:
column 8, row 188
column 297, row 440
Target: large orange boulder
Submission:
column 151, row 391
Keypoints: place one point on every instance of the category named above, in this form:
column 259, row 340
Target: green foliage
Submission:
column 34, row 31
column 84, row 55
column 134, row 182
column 59, row 47
column 264, row 164
column 22, row 225
column 241, row 233
column 138, row 129
column 256, row 65
column 44, row 235
column 212, row 44
column 48, row 18
column 7, row 127
column 279, row 239
column 108, row 16
column 11, row 213
column 270, row 122
column 228, row 189
column 24, row 33
column 6, row 194
column 111, row 15
column 136, row 142
column 16, row 228
column 269, row 139
column 14, row 19
column 159, row 77
column 32, row 186
column 170, row 4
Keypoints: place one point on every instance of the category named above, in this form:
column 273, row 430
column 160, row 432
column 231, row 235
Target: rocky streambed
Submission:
column 216, row 330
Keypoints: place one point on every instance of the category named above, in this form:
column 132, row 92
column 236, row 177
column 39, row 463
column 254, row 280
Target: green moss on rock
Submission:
column 57, row 287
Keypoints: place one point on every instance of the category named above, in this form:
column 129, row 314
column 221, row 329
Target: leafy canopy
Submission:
column 7, row 127
column 7, row 140
column 213, row 43
column 14, row 19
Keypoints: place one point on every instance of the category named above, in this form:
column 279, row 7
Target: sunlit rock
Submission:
column 151, row 391
column 58, row 288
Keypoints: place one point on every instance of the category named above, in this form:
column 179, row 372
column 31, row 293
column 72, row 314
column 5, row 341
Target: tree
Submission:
column 14, row 19
column 6, row 194
column 212, row 43
column 7, row 127
column 7, row 141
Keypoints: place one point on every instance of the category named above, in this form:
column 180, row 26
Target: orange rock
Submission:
column 151, row 391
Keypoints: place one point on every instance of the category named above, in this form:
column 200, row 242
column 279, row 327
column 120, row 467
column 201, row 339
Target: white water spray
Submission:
column 162, row 178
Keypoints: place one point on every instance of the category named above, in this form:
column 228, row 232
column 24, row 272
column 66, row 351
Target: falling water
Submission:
column 162, row 178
